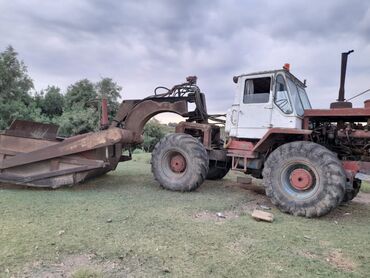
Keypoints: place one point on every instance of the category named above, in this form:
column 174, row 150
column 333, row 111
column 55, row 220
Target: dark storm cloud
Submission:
column 317, row 20
column 142, row 44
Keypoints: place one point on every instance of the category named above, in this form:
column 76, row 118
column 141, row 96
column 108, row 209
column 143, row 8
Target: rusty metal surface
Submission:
column 34, row 130
column 236, row 144
column 209, row 135
column 339, row 112
column 125, row 107
column 278, row 134
column 340, row 104
column 301, row 179
column 15, row 144
column 343, row 71
column 104, row 121
column 45, row 163
column 71, row 145
column 31, row 154
column 203, row 131
column 356, row 133
column 178, row 163
column 239, row 151
column 242, row 152
column 144, row 111
column 66, row 170
column 357, row 166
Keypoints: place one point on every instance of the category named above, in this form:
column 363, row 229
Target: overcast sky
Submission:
column 142, row 44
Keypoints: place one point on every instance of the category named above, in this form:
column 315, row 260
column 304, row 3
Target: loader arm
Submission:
column 134, row 114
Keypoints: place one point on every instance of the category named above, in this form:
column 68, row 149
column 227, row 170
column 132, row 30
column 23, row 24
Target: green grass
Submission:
column 365, row 187
column 86, row 273
column 126, row 225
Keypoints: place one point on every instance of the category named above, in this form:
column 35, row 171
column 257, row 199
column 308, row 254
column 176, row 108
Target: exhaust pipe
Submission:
column 341, row 103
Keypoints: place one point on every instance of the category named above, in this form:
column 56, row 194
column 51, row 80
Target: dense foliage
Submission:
column 153, row 132
column 15, row 88
column 76, row 111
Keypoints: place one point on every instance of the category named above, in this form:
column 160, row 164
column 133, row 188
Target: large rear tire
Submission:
column 179, row 162
column 304, row 178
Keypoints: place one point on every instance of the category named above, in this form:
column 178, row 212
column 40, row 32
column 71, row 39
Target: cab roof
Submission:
column 270, row 72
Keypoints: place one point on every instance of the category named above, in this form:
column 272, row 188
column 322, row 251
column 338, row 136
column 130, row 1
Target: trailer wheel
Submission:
column 350, row 195
column 304, row 178
column 215, row 172
column 179, row 162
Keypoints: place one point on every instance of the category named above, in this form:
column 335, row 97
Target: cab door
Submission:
column 283, row 115
column 255, row 110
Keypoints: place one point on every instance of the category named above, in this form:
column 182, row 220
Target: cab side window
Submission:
column 281, row 95
column 257, row 90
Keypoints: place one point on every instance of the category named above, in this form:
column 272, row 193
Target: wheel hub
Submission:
column 178, row 163
column 301, row 179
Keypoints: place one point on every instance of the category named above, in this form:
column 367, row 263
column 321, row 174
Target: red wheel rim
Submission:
column 301, row 179
column 178, row 163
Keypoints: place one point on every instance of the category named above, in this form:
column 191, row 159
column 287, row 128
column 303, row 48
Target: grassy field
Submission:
column 125, row 225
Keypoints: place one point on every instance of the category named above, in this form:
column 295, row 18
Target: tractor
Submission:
column 310, row 160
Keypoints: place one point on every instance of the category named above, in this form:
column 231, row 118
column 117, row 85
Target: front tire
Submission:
column 179, row 162
column 304, row 178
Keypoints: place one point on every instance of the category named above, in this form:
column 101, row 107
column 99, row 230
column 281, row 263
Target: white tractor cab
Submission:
column 265, row 100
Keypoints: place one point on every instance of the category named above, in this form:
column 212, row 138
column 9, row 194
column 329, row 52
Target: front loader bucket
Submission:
column 31, row 154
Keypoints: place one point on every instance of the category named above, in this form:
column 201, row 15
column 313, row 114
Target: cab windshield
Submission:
column 299, row 97
column 304, row 98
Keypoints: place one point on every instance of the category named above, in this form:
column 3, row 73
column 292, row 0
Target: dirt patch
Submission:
column 254, row 187
column 309, row 255
column 70, row 266
column 346, row 211
column 257, row 200
column 362, row 198
column 341, row 213
column 335, row 258
column 338, row 260
column 324, row 243
column 216, row 216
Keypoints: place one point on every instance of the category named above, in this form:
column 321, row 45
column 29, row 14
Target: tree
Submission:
column 77, row 112
column 14, row 80
column 82, row 93
column 77, row 120
column 106, row 87
column 15, row 86
column 80, row 113
column 153, row 132
column 52, row 102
